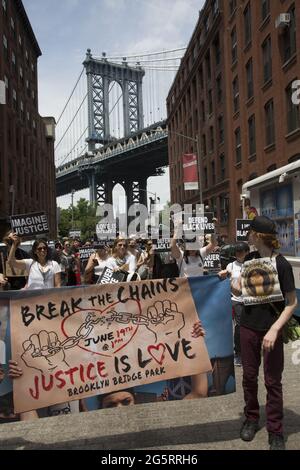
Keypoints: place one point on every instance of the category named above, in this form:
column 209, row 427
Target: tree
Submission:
column 84, row 217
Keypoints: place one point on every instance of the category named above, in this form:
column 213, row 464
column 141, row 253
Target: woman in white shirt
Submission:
column 96, row 264
column 121, row 260
column 190, row 262
column 43, row 273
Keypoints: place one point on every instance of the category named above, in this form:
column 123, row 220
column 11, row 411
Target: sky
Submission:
column 65, row 29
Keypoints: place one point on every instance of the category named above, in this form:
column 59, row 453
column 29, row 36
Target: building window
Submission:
column 22, row 110
column 208, row 67
column 213, row 173
column 221, row 129
column 203, row 111
column 224, row 208
column 247, row 24
column 215, row 7
column 210, row 102
column 267, row 59
column 20, row 41
column 205, row 178
column 222, row 168
column 249, row 74
column 251, row 135
column 217, row 50
column 5, row 47
column 13, row 59
column 232, row 6
column 265, row 9
column 293, row 118
column 206, row 24
column 21, row 75
column 289, row 37
column 270, row 127
column 12, row 25
column 4, row 6
column 238, row 145
column 204, row 145
column 211, row 139
column 233, row 45
column 219, row 88
column 201, row 76
column 14, row 96
column 236, row 94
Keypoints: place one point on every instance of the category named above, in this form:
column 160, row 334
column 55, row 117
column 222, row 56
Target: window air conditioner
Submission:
column 283, row 20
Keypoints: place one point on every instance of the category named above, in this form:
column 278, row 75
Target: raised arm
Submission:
column 12, row 261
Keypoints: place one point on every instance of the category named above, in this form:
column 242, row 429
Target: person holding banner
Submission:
column 262, row 321
column 42, row 271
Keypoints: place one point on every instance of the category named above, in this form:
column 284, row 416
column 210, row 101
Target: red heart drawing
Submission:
column 126, row 331
column 155, row 352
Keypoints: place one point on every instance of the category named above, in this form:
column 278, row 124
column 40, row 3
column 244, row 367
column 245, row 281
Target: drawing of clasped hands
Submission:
column 43, row 352
column 165, row 320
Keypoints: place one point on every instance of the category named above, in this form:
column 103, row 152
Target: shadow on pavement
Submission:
column 183, row 435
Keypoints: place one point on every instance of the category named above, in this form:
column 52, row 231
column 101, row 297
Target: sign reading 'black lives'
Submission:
column 30, row 224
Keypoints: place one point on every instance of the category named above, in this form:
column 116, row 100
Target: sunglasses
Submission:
column 121, row 244
column 42, row 248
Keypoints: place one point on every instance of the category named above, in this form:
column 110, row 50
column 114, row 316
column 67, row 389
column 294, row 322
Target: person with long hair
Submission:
column 121, row 259
column 96, row 264
column 42, row 271
column 260, row 328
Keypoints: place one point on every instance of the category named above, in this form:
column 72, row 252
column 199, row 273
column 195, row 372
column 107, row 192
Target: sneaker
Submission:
column 237, row 361
column 248, row 430
column 276, row 441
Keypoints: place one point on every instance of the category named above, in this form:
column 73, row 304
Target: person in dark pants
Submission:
column 233, row 270
column 261, row 325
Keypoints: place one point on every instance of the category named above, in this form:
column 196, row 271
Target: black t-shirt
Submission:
column 262, row 316
column 15, row 282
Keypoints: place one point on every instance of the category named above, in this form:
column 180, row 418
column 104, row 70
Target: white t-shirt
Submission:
column 41, row 277
column 194, row 267
column 129, row 259
column 235, row 269
column 98, row 269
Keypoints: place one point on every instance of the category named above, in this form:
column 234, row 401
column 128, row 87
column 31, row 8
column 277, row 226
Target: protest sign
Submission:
column 109, row 276
column 162, row 245
column 198, row 224
column 30, row 224
column 106, row 231
column 74, row 233
column 78, row 343
column 242, row 229
column 212, row 262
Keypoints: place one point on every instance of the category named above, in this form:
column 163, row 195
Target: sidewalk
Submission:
column 210, row 423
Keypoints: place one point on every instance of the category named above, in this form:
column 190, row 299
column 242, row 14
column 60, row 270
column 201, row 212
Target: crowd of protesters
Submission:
column 255, row 327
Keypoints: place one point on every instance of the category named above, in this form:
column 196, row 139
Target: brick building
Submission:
column 27, row 170
column 233, row 93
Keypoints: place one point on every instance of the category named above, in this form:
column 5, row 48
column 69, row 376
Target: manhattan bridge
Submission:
column 112, row 129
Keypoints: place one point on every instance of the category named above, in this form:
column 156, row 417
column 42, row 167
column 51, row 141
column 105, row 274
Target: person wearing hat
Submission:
column 260, row 328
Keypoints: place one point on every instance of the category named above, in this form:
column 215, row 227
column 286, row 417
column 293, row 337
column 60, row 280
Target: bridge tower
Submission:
column 100, row 73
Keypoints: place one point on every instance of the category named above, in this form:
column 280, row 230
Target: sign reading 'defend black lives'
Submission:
column 242, row 229
column 198, row 224
column 30, row 224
